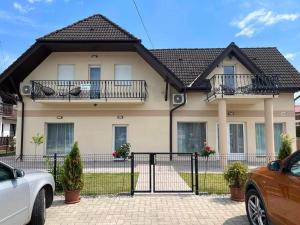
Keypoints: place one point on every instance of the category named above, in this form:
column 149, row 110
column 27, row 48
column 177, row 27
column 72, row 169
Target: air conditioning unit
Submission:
column 178, row 99
column 25, row 89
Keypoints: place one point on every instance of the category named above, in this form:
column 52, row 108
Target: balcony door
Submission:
column 95, row 77
column 229, row 84
column 236, row 141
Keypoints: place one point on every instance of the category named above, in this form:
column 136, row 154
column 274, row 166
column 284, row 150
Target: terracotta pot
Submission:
column 72, row 197
column 237, row 194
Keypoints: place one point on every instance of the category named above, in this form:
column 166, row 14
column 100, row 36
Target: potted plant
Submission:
column 236, row 176
column 72, row 178
column 122, row 153
column 206, row 152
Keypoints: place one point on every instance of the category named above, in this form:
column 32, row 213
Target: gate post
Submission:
column 55, row 168
column 196, row 174
column 132, row 175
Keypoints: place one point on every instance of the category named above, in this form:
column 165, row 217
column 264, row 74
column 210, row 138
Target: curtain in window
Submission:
column 191, row 136
column 60, row 137
column 120, row 136
column 260, row 139
column 236, row 134
column 278, row 130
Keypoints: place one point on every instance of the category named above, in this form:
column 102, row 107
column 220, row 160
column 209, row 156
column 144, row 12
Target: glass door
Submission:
column 236, row 141
column 229, row 84
column 95, row 77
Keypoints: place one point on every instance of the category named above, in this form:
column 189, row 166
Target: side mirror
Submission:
column 18, row 173
column 274, row 165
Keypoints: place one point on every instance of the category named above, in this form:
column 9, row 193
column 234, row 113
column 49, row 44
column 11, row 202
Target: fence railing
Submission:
column 243, row 84
column 89, row 89
column 104, row 175
column 7, row 109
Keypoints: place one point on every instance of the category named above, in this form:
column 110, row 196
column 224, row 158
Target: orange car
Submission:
column 273, row 193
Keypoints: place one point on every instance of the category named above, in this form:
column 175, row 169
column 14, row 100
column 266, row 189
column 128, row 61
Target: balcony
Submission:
column 89, row 90
column 242, row 86
column 7, row 110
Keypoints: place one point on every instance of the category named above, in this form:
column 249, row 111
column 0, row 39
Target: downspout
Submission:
column 171, row 123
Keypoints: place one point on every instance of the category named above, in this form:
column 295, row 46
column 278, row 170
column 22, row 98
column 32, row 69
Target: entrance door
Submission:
column 229, row 86
column 236, row 141
column 95, row 77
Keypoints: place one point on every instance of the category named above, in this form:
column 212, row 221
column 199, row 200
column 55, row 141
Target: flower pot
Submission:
column 237, row 194
column 72, row 197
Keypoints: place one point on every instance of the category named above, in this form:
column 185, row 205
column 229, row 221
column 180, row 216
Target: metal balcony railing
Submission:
column 88, row 89
column 243, row 84
column 7, row 110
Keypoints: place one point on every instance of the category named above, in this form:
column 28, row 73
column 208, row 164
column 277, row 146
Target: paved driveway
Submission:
column 149, row 209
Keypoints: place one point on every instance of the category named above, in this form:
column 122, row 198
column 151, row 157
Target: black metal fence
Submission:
column 144, row 172
column 243, row 84
column 89, row 89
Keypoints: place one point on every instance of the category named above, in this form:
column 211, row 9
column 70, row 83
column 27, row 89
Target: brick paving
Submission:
column 152, row 209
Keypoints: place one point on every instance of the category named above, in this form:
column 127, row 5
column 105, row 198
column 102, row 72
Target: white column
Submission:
column 222, row 120
column 269, row 127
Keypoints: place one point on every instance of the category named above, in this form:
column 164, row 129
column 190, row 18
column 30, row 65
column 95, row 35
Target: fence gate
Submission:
column 162, row 172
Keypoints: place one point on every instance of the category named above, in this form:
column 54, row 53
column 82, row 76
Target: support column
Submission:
column 269, row 128
column 222, row 120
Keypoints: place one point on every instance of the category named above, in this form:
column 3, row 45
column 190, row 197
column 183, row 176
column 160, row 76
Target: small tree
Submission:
column 286, row 146
column 37, row 140
column 72, row 178
column 206, row 152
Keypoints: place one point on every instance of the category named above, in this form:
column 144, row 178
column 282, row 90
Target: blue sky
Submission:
column 171, row 23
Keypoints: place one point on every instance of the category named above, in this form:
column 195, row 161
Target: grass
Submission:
column 107, row 183
column 215, row 183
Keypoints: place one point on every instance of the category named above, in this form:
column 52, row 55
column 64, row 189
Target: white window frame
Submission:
column 94, row 66
column 206, row 130
column 238, row 156
column 122, row 83
column 46, row 133
column 113, row 134
column 58, row 65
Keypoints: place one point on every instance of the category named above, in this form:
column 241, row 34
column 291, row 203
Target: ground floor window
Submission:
column 236, row 138
column 260, row 138
column 190, row 136
column 60, row 138
column 120, row 136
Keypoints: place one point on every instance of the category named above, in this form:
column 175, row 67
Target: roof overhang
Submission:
column 11, row 78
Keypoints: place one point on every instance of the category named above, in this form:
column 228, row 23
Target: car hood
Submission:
column 31, row 171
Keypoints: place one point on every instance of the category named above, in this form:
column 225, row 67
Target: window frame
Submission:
column 93, row 66
column 113, row 134
column 58, row 65
column 122, row 82
column 46, row 134
column 180, row 121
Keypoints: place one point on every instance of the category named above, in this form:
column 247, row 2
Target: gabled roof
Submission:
column 93, row 28
column 190, row 63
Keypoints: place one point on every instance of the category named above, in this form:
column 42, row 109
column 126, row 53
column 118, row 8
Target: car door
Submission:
column 14, row 198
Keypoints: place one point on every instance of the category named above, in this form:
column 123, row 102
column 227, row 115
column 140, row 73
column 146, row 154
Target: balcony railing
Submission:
column 242, row 84
column 7, row 110
column 88, row 89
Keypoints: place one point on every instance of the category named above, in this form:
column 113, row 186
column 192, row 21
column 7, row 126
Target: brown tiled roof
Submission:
column 93, row 28
column 188, row 64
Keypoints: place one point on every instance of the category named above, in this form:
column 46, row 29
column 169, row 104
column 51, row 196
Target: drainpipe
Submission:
column 171, row 123
column 22, row 130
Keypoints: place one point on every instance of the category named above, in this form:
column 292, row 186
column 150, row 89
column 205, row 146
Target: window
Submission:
column 260, row 137
column 5, row 173
column 295, row 168
column 66, row 72
column 95, row 76
column 120, row 136
column 190, row 136
column 60, row 137
column 236, row 138
column 229, row 70
column 123, row 72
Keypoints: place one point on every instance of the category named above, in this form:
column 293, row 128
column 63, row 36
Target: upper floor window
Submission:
column 228, row 70
column 66, row 72
column 123, row 72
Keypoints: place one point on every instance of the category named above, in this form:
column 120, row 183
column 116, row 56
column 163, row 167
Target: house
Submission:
column 96, row 83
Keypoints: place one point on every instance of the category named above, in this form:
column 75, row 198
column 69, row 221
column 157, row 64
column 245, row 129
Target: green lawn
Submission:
column 107, row 183
column 215, row 183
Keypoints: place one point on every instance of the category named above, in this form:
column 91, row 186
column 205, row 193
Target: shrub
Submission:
column 72, row 178
column 59, row 173
column 286, row 146
column 123, row 151
column 236, row 174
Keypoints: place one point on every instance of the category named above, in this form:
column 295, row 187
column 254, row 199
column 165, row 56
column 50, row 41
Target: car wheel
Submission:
column 38, row 215
column 256, row 212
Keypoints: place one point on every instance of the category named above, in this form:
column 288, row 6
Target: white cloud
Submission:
column 15, row 19
column 259, row 19
column 34, row 1
column 21, row 8
column 6, row 59
column 291, row 55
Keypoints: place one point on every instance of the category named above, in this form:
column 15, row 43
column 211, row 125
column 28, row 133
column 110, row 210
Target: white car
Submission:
column 24, row 196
